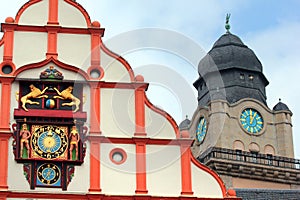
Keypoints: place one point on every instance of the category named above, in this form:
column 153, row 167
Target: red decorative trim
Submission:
column 52, row 45
column 4, row 160
column 8, row 42
column 95, row 167
column 133, row 85
column 50, row 113
column 30, row 28
column 91, row 196
column 95, row 105
column 165, row 114
column 10, row 63
column 24, row 7
column 95, row 48
column 141, row 176
column 82, row 10
column 120, row 59
column 5, row 103
column 211, row 172
column 56, row 62
column 186, row 173
column 119, row 151
column 53, row 12
column 99, row 69
column 140, row 112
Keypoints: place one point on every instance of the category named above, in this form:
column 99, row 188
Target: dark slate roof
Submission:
column 262, row 194
column 229, row 52
column 184, row 124
column 280, row 106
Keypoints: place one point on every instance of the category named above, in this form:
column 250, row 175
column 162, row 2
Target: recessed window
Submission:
column 251, row 77
column 242, row 76
column 95, row 73
column 118, row 156
column 7, row 69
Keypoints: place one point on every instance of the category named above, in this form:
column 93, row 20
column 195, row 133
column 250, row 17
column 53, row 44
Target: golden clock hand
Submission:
column 251, row 117
column 48, row 174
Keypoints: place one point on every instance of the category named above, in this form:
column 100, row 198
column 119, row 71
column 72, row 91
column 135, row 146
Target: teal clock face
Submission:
column 48, row 174
column 251, row 121
column 201, row 129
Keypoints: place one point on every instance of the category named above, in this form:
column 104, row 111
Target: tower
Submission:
column 235, row 132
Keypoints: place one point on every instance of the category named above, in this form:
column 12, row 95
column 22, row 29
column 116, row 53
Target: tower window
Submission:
column 270, row 159
column 251, row 77
column 242, row 76
column 254, row 156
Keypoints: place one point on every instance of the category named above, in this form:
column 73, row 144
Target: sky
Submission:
column 270, row 28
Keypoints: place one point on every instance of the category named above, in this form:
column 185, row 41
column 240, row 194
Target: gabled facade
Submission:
column 75, row 122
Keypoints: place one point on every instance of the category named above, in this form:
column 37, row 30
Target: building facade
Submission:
column 235, row 132
column 75, row 122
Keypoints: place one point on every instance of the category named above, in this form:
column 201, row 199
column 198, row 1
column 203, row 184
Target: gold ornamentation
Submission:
column 35, row 93
column 67, row 95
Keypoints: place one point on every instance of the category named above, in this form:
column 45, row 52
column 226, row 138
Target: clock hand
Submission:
column 251, row 119
column 48, row 174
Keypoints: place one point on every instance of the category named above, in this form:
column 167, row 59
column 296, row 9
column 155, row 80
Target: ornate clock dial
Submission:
column 251, row 120
column 48, row 174
column 201, row 129
column 49, row 142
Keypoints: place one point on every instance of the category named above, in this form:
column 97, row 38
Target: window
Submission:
column 118, row 156
column 254, row 156
column 251, row 77
column 269, row 159
column 239, row 155
column 242, row 76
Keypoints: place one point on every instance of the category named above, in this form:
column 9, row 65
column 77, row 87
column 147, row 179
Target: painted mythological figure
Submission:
column 74, row 140
column 67, row 95
column 24, row 141
column 35, row 93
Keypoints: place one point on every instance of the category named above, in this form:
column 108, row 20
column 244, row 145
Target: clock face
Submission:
column 251, row 121
column 201, row 129
column 49, row 142
column 48, row 174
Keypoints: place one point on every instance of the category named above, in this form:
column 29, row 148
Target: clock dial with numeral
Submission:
column 48, row 174
column 201, row 129
column 251, row 121
column 49, row 142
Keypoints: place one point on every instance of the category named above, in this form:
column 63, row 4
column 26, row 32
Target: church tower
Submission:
column 235, row 132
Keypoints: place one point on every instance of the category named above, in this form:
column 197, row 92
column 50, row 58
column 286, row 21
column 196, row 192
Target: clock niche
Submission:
column 49, row 133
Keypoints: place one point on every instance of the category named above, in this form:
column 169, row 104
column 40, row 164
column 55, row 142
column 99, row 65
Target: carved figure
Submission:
column 74, row 140
column 35, row 93
column 51, row 72
column 67, row 95
column 24, row 135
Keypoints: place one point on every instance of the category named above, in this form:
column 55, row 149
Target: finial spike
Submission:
column 227, row 25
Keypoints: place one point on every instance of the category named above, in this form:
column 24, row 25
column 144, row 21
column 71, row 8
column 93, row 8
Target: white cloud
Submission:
column 278, row 50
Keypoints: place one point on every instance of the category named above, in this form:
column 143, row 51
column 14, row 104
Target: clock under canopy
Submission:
column 49, row 133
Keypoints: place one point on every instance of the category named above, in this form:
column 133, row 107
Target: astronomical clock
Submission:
column 49, row 133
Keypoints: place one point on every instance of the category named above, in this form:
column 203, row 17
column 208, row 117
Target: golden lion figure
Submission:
column 35, row 93
column 67, row 95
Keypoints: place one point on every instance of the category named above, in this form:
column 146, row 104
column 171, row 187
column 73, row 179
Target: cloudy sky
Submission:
column 270, row 28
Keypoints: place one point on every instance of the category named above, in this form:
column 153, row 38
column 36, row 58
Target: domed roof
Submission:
column 184, row 124
column 280, row 106
column 229, row 52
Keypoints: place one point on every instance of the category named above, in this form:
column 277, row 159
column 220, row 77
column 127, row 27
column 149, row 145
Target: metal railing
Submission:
column 249, row 157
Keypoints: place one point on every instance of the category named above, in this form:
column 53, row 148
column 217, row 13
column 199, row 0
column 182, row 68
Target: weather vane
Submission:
column 227, row 25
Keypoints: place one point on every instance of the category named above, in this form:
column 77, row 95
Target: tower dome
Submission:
column 281, row 106
column 230, row 71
